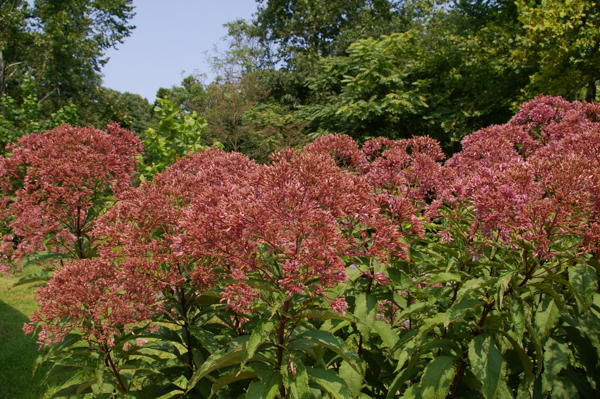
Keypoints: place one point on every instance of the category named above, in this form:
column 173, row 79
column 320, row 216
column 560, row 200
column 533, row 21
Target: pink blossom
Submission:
column 94, row 296
column 381, row 279
column 534, row 179
column 339, row 305
column 56, row 178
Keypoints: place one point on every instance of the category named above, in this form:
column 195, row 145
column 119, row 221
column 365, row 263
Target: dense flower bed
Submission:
column 338, row 271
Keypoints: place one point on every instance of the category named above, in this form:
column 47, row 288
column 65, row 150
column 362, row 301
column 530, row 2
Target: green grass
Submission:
column 18, row 351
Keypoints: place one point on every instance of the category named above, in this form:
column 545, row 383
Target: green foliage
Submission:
column 563, row 39
column 177, row 135
column 372, row 92
column 61, row 45
column 51, row 53
column 297, row 27
column 18, row 120
column 130, row 111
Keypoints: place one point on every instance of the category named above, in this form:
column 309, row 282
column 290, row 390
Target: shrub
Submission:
column 346, row 272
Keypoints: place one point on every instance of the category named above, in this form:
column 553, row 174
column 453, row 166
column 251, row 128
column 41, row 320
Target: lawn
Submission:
column 18, row 351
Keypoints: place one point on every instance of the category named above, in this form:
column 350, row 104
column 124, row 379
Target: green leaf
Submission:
column 538, row 347
column 517, row 315
column 400, row 278
column 548, row 289
column 352, row 378
column 259, row 335
column 299, row 386
column 582, row 385
column 555, row 359
column 442, row 278
column 525, row 360
column 327, row 340
column 412, row 392
column 42, row 256
column 320, row 314
column 459, row 310
column 487, row 364
column 386, row 333
column 474, row 285
column 593, row 261
column 438, row 377
column 76, row 385
column 365, row 313
column 33, row 278
column 267, row 388
column 261, row 285
column 563, row 389
column 584, row 280
column 502, row 287
column 446, row 248
column 217, row 360
column 230, row 378
column 588, row 355
column 546, row 317
column 206, row 338
column 331, row 383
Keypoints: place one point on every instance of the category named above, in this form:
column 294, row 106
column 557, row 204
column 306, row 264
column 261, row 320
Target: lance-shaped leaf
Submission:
column 33, row 278
column 352, row 378
column 296, row 379
column 442, row 278
column 327, row 340
column 487, row 365
column 76, row 385
column 437, row 377
column 546, row 317
column 555, row 359
column 584, row 280
column 218, row 360
column 331, row 383
column 386, row 333
column 365, row 313
column 42, row 256
column 266, row 388
column 517, row 316
column 259, row 335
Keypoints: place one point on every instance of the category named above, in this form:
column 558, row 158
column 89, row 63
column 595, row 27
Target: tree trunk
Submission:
column 1, row 75
column 590, row 93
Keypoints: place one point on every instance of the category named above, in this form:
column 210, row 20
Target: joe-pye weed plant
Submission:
column 346, row 272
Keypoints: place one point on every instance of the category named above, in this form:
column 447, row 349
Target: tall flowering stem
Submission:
column 143, row 230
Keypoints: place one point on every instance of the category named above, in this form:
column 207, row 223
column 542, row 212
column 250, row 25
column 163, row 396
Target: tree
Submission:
column 60, row 45
column 562, row 38
column 370, row 92
column 131, row 111
column 231, row 97
column 312, row 26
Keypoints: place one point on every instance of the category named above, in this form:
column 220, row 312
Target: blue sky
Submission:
column 171, row 36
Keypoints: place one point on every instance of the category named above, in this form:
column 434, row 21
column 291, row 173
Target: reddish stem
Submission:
column 115, row 371
column 281, row 339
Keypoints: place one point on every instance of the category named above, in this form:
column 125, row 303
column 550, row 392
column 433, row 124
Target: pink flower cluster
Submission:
column 96, row 297
column 55, row 179
column 145, row 226
column 215, row 215
column 536, row 178
column 292, row 222
column 403, row 174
